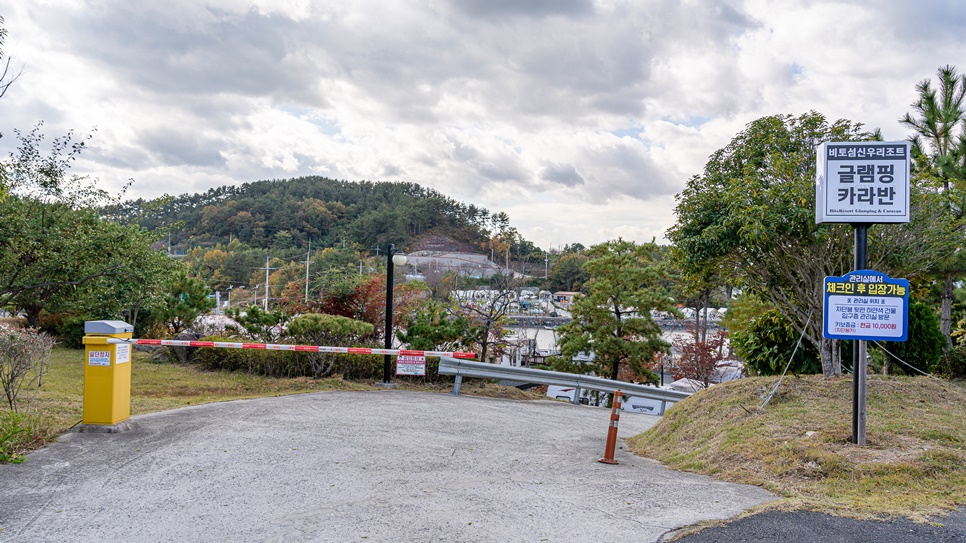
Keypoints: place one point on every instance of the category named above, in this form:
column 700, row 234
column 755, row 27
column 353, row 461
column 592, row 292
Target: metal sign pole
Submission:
column 859, row 347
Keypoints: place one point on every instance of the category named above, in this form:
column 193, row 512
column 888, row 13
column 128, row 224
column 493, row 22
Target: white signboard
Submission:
column 862, row 182
column 410, row 365
column 122, row 354
column 98, row 358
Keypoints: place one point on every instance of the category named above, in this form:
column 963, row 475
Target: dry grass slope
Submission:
column 799, row 446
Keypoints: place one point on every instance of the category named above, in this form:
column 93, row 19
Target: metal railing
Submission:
column 467, row 368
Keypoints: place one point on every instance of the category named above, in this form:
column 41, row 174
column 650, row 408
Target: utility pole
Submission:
column 308, row 255
column 267, row 269
column 546, row 263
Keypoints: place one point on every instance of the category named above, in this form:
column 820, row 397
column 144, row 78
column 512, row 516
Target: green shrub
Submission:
column 322, row 329
column 213, row 359
column 924, row 348
column 24, row 359
column 254, row 361
column 69, row 329
column 768, row 342
column 297, row 364
column 955, row 362
column 359, row 366
column 19, row 432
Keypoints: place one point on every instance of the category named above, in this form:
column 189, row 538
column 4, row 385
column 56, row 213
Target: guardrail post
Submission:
column 576, row 396
column 663, row 407
column 456, row 384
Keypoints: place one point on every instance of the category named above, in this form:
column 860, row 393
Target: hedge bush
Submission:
column 295, row 364
column 955, row 362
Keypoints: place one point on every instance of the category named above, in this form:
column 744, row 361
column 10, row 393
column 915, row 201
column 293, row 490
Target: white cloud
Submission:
column 579, row 118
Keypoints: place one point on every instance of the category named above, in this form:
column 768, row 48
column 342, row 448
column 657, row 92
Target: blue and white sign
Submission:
column 866, row 305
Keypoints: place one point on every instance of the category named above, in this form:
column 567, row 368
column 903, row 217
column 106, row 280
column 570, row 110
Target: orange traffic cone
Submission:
column 615, row 417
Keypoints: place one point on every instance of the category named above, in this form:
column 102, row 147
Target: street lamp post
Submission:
column 398, row 259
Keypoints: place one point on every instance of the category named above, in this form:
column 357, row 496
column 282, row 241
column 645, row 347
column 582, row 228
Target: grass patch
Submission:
column 914, row 464
column 19, row 433
column 161, row 386
column 155, row 387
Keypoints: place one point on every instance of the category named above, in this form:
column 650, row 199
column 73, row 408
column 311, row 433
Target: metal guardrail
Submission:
column 467, row 368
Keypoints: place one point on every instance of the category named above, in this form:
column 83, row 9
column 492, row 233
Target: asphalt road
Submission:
column 376, row 466
column 805, row 527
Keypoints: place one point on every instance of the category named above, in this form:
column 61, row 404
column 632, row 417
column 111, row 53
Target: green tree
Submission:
column 56, row 252
column 267, row 326
column 612, row 316
column 338, row 291
column 939, row 121
column 750, row 217
column 433, row 328
column 185, row 300
column 568, row 273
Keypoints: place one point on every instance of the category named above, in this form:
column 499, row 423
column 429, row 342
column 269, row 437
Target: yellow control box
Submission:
column 107, row 372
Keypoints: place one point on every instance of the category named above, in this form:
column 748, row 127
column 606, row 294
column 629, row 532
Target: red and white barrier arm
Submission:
column 281, row 347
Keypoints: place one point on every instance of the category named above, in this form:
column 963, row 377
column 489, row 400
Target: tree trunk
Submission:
column 33, row 316
column 837, row 356
column 704, row 331
column 831, row 364
column 697, row 323
column 946, row 322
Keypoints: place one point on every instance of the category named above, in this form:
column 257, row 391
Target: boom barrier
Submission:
column 107, row 367
column 285, row 347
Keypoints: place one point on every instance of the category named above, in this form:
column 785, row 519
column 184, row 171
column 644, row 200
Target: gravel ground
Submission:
column 358, row 466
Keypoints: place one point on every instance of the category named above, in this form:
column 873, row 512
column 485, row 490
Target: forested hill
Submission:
column 327, row 211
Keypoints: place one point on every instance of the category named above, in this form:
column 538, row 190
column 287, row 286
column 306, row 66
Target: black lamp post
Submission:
column 399, row 259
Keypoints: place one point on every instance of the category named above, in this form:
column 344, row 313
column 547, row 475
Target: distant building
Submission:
column 564, row 298
column 465, row 264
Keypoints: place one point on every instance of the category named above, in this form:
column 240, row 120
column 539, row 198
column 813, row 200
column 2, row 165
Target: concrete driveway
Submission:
column 358, row 466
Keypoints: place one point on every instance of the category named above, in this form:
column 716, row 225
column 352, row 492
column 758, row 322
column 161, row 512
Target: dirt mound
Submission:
column 442, row 244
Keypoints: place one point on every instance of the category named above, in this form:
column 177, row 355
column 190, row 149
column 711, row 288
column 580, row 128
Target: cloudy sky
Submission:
column 579, row 118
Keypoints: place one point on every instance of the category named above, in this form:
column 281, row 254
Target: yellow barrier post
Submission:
column 107, row 375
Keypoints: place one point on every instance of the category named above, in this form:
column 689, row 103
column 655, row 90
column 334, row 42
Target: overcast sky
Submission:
column 579, row 118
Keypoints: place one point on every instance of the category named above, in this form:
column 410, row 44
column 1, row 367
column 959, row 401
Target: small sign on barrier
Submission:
column 123, row 354
column 98, row 358
column 410, row 365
